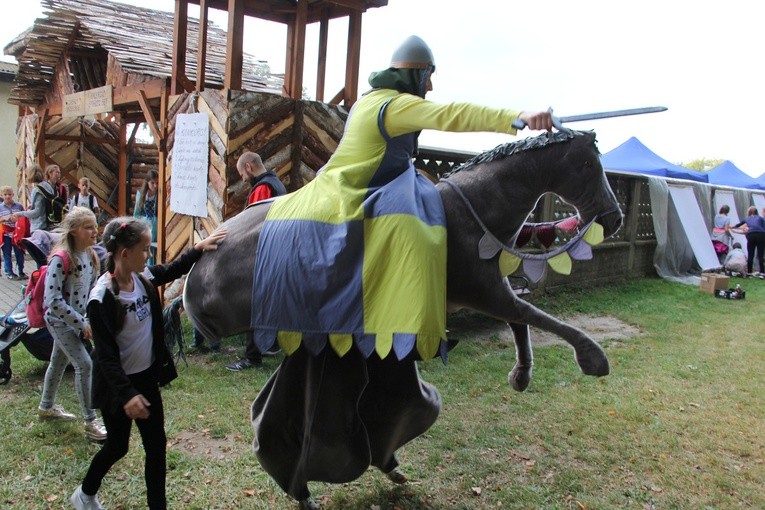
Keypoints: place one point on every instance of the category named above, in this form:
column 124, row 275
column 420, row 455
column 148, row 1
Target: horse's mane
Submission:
column 526, row 144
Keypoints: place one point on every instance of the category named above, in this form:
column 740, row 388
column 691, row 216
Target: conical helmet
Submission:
column 413, row 54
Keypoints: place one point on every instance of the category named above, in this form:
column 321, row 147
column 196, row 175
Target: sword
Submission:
column 557, row 121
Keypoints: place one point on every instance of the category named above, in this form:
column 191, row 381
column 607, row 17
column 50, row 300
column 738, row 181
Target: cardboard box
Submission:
column 712, row 282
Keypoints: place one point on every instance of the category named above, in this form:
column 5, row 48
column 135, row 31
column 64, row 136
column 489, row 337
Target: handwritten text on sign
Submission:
column 188, row 180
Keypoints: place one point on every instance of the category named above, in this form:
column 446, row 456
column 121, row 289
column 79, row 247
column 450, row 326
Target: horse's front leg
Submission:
column 500, row 302
column 520, row 376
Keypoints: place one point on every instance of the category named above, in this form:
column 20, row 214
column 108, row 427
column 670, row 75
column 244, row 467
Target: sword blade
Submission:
column 608, row 115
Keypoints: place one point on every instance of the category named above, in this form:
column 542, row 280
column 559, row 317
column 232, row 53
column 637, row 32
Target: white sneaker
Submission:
column 82, row 501
column 54, row 413
column 95, row 430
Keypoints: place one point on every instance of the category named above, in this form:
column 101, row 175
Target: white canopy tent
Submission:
column 683, row 244
column 725, row 197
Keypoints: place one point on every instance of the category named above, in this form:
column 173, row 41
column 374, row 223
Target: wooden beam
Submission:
column 202, row 46
column 123, row 186
column 298, row 50
column 338, row 97
column 127, row 95
column 150, row 119
column 83, row 139
column 180, row 27
column 234, row 45
column 353, row 59
column 162, row 191
column 321, row 66
column 287, row 83
column 39, row 149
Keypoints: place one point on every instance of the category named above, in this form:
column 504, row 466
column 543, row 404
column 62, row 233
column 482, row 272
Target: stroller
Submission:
column 14, row 330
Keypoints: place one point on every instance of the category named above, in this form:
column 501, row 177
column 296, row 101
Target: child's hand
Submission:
column 137, row 408
column 87, row 333
column 212, row 241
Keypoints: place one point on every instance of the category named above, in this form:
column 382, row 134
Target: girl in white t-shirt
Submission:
column 131, row 360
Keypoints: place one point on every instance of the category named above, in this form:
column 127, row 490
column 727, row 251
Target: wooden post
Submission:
column 632, row 226
column 234, row 45
column 202, row 45
column 288, row 58
column 321, row 67
column 353, row 59
column 40, row 139
column 123, row 186
column 298, row 50
column 163, row 176
column 180, row 27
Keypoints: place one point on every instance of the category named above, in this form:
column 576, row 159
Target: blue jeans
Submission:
column 8, row 260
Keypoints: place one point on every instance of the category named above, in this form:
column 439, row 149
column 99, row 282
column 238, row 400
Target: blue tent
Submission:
column 761, row 179
column 728, row 174
column 633, row 156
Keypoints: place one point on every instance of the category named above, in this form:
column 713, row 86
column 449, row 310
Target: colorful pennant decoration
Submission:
column 534, row 264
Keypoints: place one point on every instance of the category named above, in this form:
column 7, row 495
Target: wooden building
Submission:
column 159, row 65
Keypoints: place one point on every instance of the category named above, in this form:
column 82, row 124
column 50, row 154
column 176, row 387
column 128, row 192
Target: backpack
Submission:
column 55, row 207
column 34, row 293
column 20, row 232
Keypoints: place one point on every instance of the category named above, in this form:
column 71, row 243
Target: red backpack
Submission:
column 20, row 231
column 34, row 293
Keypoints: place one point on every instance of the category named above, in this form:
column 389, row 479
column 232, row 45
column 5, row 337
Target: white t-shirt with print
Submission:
column 135, row 339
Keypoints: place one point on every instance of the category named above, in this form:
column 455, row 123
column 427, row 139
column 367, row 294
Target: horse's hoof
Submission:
column 307, row 504
column 397, row 476
column 519, row 378
column 593, row 362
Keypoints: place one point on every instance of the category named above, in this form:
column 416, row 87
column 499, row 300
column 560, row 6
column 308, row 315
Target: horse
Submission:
column 502, row 187
column 492, row 194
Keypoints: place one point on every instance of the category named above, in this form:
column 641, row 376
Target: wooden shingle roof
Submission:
column 140, row 40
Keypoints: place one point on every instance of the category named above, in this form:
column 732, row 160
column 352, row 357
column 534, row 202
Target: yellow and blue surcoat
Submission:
column 358, row 256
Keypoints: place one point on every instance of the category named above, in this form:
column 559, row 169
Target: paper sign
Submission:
column 189, row 167
column 98, row 100
column 74, row 105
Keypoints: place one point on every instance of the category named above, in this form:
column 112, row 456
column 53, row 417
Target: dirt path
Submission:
column 472, row 325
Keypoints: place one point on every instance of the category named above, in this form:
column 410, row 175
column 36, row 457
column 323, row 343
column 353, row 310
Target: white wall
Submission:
column 8, row 118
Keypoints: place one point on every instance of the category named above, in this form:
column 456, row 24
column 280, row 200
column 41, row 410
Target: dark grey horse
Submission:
column 502, row 187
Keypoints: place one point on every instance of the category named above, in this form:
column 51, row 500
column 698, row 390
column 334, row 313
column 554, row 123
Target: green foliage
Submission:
column 702, row 164
column 679, row 423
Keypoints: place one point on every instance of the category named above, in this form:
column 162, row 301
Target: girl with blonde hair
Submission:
column 73, row 269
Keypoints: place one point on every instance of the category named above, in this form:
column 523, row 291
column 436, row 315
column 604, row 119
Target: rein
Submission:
column 533, row 264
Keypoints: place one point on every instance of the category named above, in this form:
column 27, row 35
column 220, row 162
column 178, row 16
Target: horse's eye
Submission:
column 588, row 164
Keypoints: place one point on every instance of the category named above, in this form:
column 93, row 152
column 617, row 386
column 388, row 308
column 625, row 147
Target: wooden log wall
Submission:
column 294, row 139
column 91, row 150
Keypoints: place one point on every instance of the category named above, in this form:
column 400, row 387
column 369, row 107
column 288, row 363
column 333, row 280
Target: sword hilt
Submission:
column 520, row 124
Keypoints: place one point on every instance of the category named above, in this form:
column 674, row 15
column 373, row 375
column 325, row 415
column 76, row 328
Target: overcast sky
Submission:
column 701, row 59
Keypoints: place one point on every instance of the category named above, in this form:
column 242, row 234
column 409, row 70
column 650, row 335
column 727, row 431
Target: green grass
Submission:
column 679, row 423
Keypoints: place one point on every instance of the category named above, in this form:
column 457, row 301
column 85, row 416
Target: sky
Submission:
column 700, row 59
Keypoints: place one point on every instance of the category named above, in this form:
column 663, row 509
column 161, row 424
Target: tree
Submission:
column 702, row 164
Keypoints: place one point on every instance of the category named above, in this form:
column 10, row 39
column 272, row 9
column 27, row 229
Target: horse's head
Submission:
column 579, row 180
column 507, row 181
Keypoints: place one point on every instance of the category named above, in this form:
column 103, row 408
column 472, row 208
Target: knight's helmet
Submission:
column 414, row 53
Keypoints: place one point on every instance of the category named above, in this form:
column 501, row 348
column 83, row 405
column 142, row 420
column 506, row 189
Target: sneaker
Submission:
column 273, row 351
column 23, row 276
column 94, row 430
column 241, row 364
column 82, row 501
column 12, row 277
column 54, row 413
